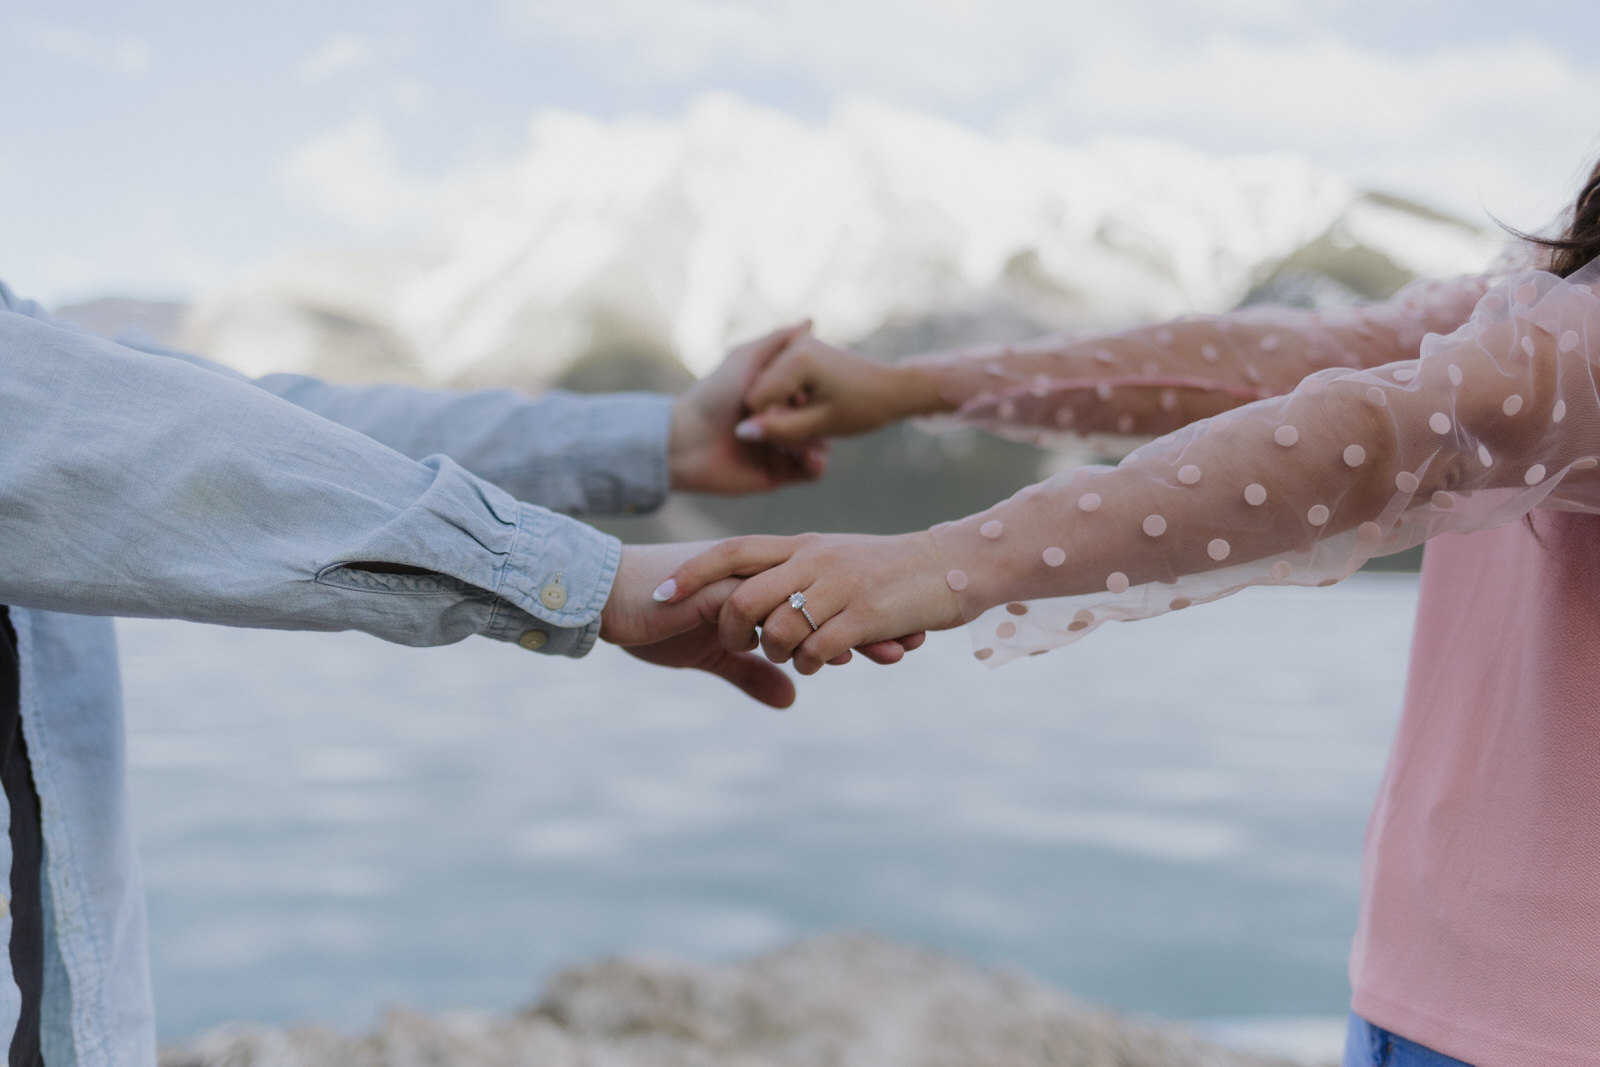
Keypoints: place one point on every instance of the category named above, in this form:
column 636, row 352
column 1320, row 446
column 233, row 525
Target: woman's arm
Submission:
column 1496, row 419
column 1144, row 381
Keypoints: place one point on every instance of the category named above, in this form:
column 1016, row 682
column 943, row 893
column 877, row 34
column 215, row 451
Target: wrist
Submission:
column 951, row 610
column 683, row 438
column 916, row 393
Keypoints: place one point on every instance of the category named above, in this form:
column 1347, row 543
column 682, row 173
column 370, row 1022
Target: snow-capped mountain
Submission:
column 678, row 238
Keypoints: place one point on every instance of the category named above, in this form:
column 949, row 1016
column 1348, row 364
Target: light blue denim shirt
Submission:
column 135, row 480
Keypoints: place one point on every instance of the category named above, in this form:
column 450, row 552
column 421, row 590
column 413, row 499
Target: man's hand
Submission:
column 645, row 617
column 869, row 592
column 682, row 634
column 704, row 456
column 815, row 390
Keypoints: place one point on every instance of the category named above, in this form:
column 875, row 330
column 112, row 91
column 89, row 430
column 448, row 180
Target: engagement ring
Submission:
column 798, row 602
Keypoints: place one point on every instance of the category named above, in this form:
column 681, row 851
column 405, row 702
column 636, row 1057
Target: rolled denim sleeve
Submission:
column 138, row 485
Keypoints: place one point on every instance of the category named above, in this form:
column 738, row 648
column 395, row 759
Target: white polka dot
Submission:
column 1535, row 474
column 1269, row 342
column 1124, row 423
column 1155, row 525
column 1163, row 337
column 1439, row 422
column 1054, row 557
column 1103, row 356
column 1252, row 374
column 1218, row 549
column 1103, row 390
column 1443, row 499
column 1407, row 482
column 1527, row 345
column 1512, row 404
column 1188, row 474
column 1006, row 631
column 1089, row 502
column 1558, row 412
column 1569, row 341
column 1588, row 463
column 992, row 529
column 1369, row 531
column 1208, row 353
column 1404, row 374
column 984, row 653
column 1286, row 435
column 1312, row 386
column 1484, row 457
column 1179, row 603
column 1317, row 515
column 1169, row 400
column 1281, row 570
column 1255, row 494
column 1354, row 455
column 1377, row 397
column 957, row 580
column 1117, row 582
column 1526, row 293
column 1455, row 374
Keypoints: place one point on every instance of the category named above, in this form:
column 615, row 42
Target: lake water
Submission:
column 1165, row 817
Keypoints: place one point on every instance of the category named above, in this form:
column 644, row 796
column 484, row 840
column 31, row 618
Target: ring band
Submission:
column 798, row 602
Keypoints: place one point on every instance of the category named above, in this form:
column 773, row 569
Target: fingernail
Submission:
column 665, row 590
column 748, row 430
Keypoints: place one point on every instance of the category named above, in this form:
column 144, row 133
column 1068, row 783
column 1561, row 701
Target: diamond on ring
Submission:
column 798, row 602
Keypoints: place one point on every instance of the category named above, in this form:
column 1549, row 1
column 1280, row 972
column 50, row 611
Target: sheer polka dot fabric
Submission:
column 1296, row 446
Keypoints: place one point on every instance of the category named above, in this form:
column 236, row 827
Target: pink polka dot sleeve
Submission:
column 1154, row 379
column 1500, row 416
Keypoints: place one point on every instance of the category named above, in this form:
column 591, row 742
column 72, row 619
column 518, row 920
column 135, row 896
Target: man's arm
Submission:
column 617, row 453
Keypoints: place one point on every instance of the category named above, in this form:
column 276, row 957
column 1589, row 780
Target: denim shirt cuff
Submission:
column 553, row 584
column 622, row 459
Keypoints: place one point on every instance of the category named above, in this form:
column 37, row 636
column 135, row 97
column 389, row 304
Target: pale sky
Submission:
column 162, row 148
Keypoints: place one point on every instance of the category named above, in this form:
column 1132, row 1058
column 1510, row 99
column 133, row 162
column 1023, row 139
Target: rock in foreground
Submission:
column 838, row 1001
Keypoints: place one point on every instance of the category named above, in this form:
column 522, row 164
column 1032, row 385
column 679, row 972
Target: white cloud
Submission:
column 124, row 53
column 337, row 55
column 1503, row 122
column 349, row 175
column 1469, row 124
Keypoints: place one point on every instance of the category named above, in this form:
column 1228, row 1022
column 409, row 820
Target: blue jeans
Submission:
column 1366, row 1045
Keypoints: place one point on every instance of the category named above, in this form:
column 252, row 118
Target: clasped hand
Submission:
column 761, row 420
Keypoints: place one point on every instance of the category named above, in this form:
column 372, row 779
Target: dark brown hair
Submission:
column 1581, row 242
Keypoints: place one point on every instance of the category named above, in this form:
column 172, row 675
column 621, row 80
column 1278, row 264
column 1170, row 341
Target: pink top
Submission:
column 1297, row 446
column 1480, row 916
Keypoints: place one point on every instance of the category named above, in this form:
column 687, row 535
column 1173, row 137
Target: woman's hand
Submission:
column 858, row 590
column 813, row 390
column 703, row 453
